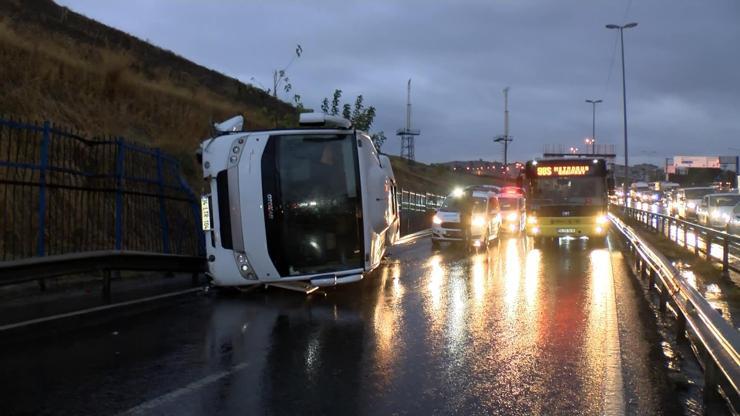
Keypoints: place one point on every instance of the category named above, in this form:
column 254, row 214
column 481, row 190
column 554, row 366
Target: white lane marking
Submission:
column 149, row 405
column 613, row 383
column 97, row 309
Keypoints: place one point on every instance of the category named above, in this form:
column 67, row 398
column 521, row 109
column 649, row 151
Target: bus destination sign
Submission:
column 563, row 170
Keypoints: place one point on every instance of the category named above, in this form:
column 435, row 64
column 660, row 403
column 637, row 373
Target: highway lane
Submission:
column 515, row 330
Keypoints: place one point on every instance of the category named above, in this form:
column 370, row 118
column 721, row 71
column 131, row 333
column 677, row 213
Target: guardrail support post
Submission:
column 663, row 299
column 710, row 392
column 651, row 280
column 118, row 219
column 680, row 328
column 725, row 258
column 709, row 247
column 106, row 285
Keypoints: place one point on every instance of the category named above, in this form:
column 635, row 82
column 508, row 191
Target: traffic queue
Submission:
column 476, row 216
column 715, row 205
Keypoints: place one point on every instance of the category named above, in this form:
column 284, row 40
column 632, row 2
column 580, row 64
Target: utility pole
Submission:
column 505, row 139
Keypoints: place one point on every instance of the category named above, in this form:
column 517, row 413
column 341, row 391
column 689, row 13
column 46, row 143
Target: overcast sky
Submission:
column 682, row 61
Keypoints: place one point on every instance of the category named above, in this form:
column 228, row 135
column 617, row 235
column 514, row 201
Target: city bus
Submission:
column 306, row 207
column 567, row 198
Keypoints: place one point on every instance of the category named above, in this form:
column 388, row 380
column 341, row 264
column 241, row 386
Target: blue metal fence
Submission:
column 61, row 192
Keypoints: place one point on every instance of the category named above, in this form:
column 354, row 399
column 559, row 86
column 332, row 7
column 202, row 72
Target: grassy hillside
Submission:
column 420, row 177
column 64, row 67
column 61, row 66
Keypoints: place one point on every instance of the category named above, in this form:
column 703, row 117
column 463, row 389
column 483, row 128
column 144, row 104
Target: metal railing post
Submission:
column 162, row 209
column 43, row 164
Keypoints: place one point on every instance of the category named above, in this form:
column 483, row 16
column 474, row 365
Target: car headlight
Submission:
column 479, row 220
column 512, row 216
column 602, row 219
column 531, row 219
column 436, row 220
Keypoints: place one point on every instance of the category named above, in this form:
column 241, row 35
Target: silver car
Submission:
column 716, row 210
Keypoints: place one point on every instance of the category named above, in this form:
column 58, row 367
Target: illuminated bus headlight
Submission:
column 479, row 221
column 602, row 219
column 531, row 220
column 512, row 216
column 436, row 220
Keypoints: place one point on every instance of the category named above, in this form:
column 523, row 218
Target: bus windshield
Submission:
column 508, row 204
column 570, row 191
column 314, row 199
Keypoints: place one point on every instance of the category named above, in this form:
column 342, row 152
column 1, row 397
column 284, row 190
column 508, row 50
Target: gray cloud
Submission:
column 683, row 65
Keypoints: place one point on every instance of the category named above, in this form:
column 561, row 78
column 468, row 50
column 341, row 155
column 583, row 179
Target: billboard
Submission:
column 696, row 161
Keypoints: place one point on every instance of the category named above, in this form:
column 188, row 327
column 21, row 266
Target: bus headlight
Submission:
column 531, row 220
column 602, row 219
column 436, row 220
column 479, row 221
column 512, row 216
column 242, row 263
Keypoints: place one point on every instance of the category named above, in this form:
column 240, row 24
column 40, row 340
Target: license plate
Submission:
column 205, row 212
column 566, row 230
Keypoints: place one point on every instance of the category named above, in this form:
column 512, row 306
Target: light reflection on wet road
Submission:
column 512, row 331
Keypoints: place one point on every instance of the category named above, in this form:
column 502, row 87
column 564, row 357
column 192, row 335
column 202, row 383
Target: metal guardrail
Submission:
column 28, row 270
column 416, row 209
column 662, row 224
column 716, row 342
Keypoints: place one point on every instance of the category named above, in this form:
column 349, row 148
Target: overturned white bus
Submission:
column 315, row 204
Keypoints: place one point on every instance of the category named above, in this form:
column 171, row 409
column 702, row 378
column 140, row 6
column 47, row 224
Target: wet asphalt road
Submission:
column 513, row 331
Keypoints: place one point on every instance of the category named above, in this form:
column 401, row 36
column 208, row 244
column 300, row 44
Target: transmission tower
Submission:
column 407, row 134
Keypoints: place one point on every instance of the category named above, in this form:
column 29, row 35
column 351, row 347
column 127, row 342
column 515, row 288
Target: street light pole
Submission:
column 624, row 103
column 505, row 138
column 593, row 125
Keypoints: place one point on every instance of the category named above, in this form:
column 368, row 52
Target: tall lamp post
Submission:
column 624, row 104
column 592, row 141
column 505, row 139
